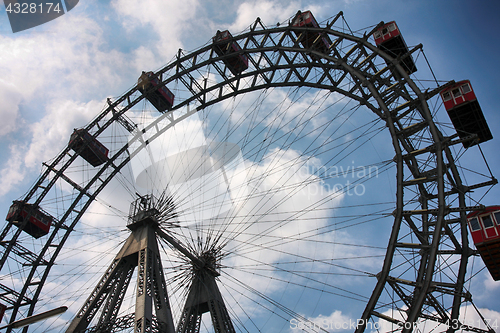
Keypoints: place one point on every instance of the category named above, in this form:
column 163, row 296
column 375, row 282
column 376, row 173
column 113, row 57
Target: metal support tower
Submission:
column 204, row 296
column 141, row 251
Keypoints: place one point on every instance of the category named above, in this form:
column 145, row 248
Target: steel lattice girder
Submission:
column 354, row 71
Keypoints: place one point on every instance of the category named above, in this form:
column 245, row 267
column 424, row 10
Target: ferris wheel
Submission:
column 264, row 182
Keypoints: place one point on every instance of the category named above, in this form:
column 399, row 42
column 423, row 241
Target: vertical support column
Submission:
column 151, row 287
column 144, row 301
column 204, row 296
column 141, row 250
column 162, row 304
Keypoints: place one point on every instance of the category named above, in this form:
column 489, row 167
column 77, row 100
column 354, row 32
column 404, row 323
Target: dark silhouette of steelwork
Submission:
column 204, row 296
column 429, row 217
column 139, row 251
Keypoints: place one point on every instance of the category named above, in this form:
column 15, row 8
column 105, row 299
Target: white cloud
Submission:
column 9, row 108
column 335, row 322
column 276, row 225
column 57, row 70
column 168, row 19
column 13, row 173
column 144, row 59
column 270, row 12
column 72, row 61
column 491, row 286
column 48, row 72
column 52, row 132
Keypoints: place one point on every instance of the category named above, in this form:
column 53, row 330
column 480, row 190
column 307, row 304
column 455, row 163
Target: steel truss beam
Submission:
column 278, row 60
column 141, row 251
column 204, row 296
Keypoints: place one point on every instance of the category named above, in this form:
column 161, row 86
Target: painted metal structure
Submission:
column 484, row 227
column 139, row 251
column 279, row 57
column 311, row 39
column 2, row 310
column 88, row 147
column 230, row 50
column 29, row 218
column 389, row 39
column 465, row 113
column 158, row 95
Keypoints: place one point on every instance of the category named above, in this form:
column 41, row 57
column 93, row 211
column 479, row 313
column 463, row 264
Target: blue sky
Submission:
column 56, row 77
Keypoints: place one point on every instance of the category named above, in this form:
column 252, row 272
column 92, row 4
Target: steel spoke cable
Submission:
column 354, row 296
column 315, row 205
column 302, row 235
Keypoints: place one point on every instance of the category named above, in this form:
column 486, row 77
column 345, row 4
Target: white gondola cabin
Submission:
column 465, row 113
column 235, row 61
column 388, row 38
column 161, row 97
column 309, row 39
column 89, row 148
column 484, row 226
column 38, row 223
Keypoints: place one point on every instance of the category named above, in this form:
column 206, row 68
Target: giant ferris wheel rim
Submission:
column 330, row 63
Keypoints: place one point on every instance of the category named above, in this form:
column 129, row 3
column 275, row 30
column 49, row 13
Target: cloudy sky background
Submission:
column 57, row 76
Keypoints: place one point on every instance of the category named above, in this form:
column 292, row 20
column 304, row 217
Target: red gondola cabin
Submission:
column 311, row 40
column 388, row 38
column 88, row 147
column 223, row 45
column 38, row 223
column 465, row 113
column 161, row 97
column 484, row 226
